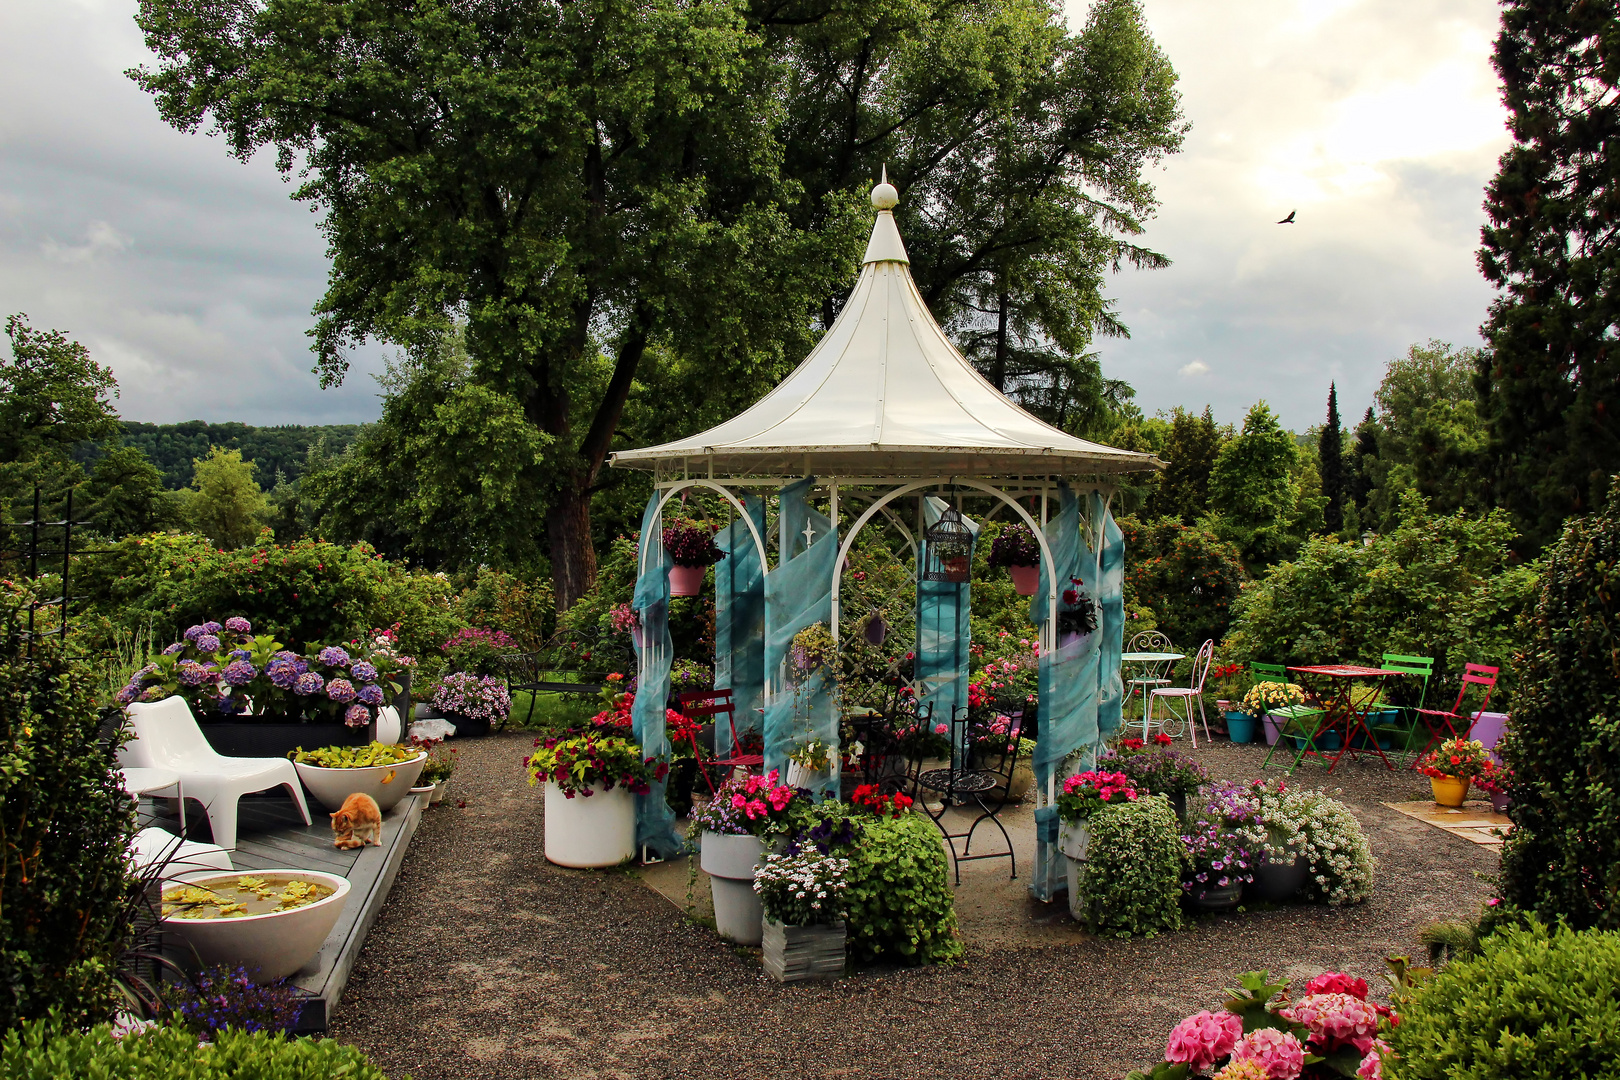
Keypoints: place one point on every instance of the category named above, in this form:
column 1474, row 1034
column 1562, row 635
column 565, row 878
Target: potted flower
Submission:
column 1084, row 795
column 1016, row 548
column 472, row 702
column 1222, row 843
column 438, row 768
column 1451, row 767
column 1158, row 770
column 1231, row 683
column 269, row 922
column 590, row 783
column 732, row 829
column 692, row 549
column 811, row 765
column 1077, row 615
column 1264, row 697
column 1493, row 780
column 802, row 896
column 478, row 651
column 385, row 771
column 1281, row 865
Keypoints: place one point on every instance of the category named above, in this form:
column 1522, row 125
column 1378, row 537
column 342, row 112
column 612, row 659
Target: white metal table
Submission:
column 1154, row 666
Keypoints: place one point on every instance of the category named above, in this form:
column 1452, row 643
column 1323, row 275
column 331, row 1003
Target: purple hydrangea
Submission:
column 283, row 673
column 176, row 647
column 239, row 672
column 154, row 693
column 194, row 674
column 194, row 632
column 149, row 669
column 238, row 625
column 241, row 654
column 208, row 643
column 212, row 627
column 308, row 683
column 340, row 691
column 333, row 656
column 357, row 716
column 363, row 671
column 128, row 693
column 370, row 694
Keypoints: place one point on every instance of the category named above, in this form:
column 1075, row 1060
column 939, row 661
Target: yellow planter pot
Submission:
column 1449, row 790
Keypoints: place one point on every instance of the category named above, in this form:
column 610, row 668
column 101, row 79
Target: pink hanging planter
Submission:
column 1026, row 579
column 638, row 635
column 686, row 580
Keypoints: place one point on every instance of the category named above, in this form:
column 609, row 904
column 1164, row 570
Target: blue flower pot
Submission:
column 1241, row 727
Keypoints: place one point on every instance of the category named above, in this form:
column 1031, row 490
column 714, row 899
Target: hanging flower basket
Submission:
column 685, row 580
column 1026, row 579
column 692, row 549
column 1018, row 550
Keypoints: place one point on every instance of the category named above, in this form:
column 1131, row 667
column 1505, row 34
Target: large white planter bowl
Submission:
column 270, row 946
column 386, row 783
column 590, row 831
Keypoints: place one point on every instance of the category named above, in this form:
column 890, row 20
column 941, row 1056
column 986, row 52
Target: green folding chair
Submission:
column 1292, row 718
column 1421, row 667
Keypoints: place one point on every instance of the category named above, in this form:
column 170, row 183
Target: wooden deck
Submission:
column 271, row 836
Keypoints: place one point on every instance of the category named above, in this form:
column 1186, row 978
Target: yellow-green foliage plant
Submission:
column 1131, row 879
column 899, row 899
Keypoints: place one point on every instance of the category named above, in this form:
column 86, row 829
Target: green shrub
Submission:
column 1533, row 1004
column 899, row 898
column 1188, row 576
column 42, row 1050
column 64, row 829
column 1563, row 856
column 1131, row 879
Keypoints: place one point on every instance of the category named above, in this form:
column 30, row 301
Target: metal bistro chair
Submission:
column 1439, row 722
column 712, row 703
column 1192, row 692
column 1288, row 716
column 1149, row 674
column 959, row 784
column 1422, row 667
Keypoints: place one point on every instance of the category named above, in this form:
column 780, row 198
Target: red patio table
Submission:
column 1340, row 712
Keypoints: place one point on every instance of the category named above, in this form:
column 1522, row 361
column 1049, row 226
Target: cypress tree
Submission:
column 1550, row 384
column 1364, row 456
column 1330, row 462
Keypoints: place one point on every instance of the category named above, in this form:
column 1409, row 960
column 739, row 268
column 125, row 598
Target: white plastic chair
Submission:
column 1188, row 694
column 179, row 858
column 167, row 737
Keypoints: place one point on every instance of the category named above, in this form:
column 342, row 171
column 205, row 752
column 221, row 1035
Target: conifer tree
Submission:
column 1330, row 462
column 1365, row 459
column 1189, row 454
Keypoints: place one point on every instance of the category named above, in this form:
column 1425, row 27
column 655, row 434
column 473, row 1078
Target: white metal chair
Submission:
column 179, row 858
column 1149, row 674
column 167, row 737
column 1188, row 694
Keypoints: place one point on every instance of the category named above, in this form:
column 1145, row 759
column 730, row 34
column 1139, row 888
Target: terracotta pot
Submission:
column 686, row 580
column 1450, row 790
column 1026, row 579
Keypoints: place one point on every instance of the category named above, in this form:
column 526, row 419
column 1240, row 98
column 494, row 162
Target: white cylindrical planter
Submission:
column 438, row 793
column 590, row 831
column 729, row 861
column 1074, row 840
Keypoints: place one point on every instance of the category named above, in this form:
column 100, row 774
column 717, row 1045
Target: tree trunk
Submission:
column 998, row 371
column 568, row 532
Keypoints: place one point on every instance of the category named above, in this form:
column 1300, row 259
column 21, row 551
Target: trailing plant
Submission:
column 803, row 889
column 691, row 544
column 580, row 764
column 813, row 649
column 815, row 755
column 223, row 998
column 355, row 757
column 1224, row 841
column 1462, row 758
column 747, row 806
column 65, row 829
column 1535, row 1002
column 1084, row 794
column 1329, row 837
column 899, row 900
column 1015, row 545
column 1130, row 881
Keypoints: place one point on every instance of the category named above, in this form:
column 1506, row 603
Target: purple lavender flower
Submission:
column 308, row 683
column 357, row 716
column 194, row 632
column 239, row 672
column 208, row 643
column 176, row 647
column 370, row 694
column 333, row 656
column 283, row 673
column 340, row 691
column 212, row 627
column 363, row 671
column 238, row 625
column 194, row 674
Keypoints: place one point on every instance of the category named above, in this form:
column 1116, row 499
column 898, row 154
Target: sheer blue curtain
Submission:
column 798, row 594
column 739, row 622
column 655, row 821
column 943, row 631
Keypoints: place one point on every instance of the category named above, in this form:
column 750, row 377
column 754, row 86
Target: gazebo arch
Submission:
column 884, row 405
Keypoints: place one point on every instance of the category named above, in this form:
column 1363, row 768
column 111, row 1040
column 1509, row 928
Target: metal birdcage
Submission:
column 950, row 548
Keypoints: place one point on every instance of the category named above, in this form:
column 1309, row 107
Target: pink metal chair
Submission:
column 1187, row 694
column 1439, row 722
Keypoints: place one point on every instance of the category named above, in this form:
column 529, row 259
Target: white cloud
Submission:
column 1197, row 367
column 100, row 239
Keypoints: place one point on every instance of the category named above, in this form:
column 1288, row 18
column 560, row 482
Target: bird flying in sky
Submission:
column 1289, row 220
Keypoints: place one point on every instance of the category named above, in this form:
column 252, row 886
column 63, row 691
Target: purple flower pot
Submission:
column 1272, row 727
column 1500, row 801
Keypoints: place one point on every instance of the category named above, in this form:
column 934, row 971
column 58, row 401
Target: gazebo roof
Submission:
column 885, row 393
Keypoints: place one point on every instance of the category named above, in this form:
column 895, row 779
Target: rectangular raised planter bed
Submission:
column 797, row 953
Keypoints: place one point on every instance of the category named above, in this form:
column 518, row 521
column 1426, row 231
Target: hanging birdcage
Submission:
column 950, row 548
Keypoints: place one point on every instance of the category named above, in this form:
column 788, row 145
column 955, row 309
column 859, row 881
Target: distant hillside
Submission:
column 171, row 447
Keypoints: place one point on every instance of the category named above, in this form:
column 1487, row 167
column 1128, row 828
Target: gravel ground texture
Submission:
column 487, row 961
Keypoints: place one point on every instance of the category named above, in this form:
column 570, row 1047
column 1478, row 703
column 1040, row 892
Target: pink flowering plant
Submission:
column 1331, row 1031
column 1086, row 793
column 477, row 697
column 691, row 544
column 478, row 651
column 747, row 806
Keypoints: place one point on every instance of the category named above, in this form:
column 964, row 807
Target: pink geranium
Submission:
column 1337, row 982
column 1335, row 1020
column 1277, row 1052
column 1203, row 1039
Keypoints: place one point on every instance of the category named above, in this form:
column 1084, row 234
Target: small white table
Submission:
column 1149, row 660
column 137, row 782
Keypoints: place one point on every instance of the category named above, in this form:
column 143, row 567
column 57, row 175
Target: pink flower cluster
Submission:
column 1203, row 1038
column 1277, row 1053
column 1337, row 982
column 1106, row 785
column 760, row 795
column 1372, row 1066
column 1336, row 1020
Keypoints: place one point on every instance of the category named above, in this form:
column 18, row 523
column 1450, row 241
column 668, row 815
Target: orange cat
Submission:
column 358, row 821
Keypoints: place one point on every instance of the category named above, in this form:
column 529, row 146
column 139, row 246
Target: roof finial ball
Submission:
column 884, row 196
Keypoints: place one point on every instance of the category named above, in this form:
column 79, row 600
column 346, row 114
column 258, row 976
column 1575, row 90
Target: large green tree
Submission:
column 1429, row 437
column 1550, row 384
column 589, row 185
column 1189, row 454
column 1252, row 488
column 1330, row 464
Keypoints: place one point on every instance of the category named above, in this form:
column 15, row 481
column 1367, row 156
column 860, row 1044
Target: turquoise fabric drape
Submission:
column 655, row 821
column 1111, row 620
column 739, row 623
column 943, row 630
column 798, row 594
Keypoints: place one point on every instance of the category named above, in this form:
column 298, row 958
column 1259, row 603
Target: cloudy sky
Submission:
column 1377, row 120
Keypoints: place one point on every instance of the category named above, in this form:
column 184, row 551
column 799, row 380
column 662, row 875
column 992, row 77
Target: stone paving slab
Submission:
column 1475, row 822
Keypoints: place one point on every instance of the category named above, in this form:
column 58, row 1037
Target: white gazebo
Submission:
column 885, row 407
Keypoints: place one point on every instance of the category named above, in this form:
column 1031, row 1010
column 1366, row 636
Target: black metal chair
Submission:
column 523, row 671
column 960, row 785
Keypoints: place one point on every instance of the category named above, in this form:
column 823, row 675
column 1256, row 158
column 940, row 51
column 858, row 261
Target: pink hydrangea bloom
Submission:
column 1203, row 1039
column 1336, row 1020
column 1278, row 1053
column 1337, row 982
column 1241, row 1070
column 1372, row 1066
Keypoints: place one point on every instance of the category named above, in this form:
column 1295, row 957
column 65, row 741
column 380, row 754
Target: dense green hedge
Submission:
column 901, row 908
column 1563, row 857
column 1189, row 577
column 1131, row 879
column 44, row 1051
column 1534, row 1004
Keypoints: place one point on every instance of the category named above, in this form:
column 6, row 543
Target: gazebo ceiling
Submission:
column 885, row 393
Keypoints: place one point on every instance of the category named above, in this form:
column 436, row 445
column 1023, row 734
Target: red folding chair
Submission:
column 698, row 703
column 1440, row 722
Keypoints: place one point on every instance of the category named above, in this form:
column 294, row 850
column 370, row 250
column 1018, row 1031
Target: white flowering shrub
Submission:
column 806, row 889
column 1325, row 831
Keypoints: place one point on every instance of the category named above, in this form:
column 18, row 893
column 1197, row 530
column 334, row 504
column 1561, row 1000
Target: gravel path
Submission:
column 489, row 962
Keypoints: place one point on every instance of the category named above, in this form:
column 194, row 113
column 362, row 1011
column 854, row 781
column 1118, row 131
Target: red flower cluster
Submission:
column 871, row 797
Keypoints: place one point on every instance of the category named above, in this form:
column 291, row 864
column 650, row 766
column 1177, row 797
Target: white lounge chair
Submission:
column 167, row 737
column 179, row 858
